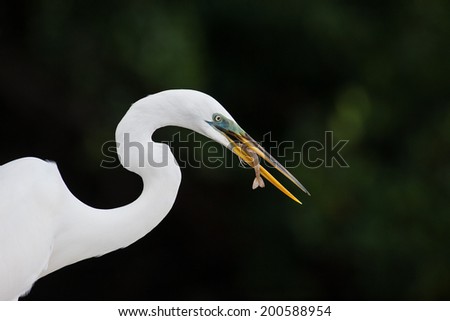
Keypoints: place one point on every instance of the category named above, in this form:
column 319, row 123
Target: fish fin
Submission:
column 261, row 182
column 255, row 183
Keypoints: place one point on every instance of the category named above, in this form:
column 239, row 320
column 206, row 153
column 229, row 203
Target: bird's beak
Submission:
column 243, row 146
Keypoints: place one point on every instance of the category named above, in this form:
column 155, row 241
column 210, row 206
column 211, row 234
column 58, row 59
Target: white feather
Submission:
column 43, row 227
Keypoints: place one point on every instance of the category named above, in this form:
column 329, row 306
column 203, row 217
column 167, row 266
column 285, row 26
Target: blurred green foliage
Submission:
column 375, row 73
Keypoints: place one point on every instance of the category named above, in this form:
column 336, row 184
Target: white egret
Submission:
column 43, row 227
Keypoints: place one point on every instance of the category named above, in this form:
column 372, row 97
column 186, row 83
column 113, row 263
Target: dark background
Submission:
column 375, row 73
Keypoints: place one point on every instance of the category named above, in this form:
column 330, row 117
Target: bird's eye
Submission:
column 217, row 118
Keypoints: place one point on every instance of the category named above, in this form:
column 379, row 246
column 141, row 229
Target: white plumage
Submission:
column 43, row 227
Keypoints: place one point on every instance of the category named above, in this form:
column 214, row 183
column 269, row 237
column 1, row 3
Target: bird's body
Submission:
column 44, row 227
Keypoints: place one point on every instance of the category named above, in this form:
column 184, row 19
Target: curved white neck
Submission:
column 87, row 232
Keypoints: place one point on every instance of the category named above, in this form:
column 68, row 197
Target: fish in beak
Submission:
column 247, row 149
column 258, row 181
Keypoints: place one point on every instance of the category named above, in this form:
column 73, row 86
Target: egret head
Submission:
column 203, row 114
